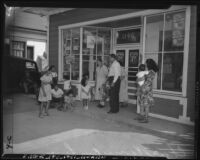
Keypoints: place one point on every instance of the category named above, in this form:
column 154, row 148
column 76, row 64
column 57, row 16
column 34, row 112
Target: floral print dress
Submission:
column 146, row 96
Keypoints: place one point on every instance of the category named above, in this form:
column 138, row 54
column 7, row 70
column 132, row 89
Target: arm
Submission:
column 117, row 70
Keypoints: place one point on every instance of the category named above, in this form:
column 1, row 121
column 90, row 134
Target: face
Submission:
column 56, row 88
column 112, row 59
column 86, row 82
column 53, row 69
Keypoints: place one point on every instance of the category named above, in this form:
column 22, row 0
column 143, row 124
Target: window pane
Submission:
column 154, row 32
column 172, row 71
column 66, row 67
column 89, row 40
column 76, row 41
column 158, row 59
column 75, row 65
column 74, row 75
column 174, row 31
column 103, row 41
column 66, row 41
column 89, row 68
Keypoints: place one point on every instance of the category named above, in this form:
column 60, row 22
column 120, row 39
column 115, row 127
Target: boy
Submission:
column 57, row 96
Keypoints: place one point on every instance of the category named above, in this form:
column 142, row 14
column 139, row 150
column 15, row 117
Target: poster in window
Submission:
column 75, row 44
column 121, row 56
column 90, row 42
column 128, row 36
column 133, row 58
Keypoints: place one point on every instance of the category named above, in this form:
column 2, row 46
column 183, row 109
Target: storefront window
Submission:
column 71, row 53
column 165, row 44
column 96, row 45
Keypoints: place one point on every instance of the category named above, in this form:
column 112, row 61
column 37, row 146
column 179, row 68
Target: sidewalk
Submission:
column 126, row 117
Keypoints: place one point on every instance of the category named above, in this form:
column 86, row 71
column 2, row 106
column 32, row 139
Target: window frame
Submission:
column 184, row 51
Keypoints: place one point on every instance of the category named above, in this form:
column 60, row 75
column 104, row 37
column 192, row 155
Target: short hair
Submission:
column 142, row 67
column 151, row 65
column 99, row 59
column 83, row 81
column 113, row 56
column 66, row 77
column 51, row 67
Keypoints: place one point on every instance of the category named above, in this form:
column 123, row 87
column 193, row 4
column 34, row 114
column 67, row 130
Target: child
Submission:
column 54, row 75
column 67, row 84
column 85, row 92
column 141, row 77
column 68, row 101
column 57, row 96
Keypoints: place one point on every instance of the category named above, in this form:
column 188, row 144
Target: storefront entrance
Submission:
column 129, row 58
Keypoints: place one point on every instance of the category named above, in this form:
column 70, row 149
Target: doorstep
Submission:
column 126, row 117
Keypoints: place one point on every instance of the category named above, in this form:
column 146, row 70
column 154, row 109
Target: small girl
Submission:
column 85, row 92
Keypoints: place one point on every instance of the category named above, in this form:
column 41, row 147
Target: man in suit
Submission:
column 114, row 79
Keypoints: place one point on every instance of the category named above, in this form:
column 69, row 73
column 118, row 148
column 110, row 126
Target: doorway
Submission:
column 129, row 58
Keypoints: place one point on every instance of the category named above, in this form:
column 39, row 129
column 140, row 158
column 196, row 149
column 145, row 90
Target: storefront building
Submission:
column 79, row 37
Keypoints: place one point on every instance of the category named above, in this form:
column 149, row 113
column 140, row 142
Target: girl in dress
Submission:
column 85, row 92
column 45, row 93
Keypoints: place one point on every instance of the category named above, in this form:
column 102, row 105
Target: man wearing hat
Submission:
column 114, row 79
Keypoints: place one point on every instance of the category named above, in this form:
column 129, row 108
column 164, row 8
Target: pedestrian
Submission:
column 146, row 96
column 141, row 77
column 123, row 92
column 101, row 76
column 54, row 75
column 57, row 97
column 45, row 93
column 114, row 79
column 85, row 92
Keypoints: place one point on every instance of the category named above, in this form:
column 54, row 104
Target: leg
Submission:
column 47, row 108
column 116, row 96
column 41, row 109
column 111, row 98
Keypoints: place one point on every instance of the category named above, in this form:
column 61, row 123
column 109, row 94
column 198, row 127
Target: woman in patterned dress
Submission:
column 146, row 99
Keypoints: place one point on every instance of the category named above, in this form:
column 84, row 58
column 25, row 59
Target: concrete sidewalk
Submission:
column 126, row 117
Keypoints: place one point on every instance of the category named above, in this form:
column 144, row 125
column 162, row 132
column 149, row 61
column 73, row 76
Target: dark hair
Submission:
column 66, row 77
column 120, row 62
column 113, row 56
column 151, row 65
column 83, row 81
column 51, row 67
column 142, row 67
column 99, row 59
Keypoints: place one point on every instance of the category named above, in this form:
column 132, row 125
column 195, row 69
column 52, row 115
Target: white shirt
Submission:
column 115, row 70
column 67, row 85
column 141, row 75
column 57, row 94
column 54, row 74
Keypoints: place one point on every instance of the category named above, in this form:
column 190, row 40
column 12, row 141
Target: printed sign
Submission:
column 90, row 42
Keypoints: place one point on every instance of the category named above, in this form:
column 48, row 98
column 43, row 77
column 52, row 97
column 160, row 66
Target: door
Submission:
column 30, row 52
column 129, row 58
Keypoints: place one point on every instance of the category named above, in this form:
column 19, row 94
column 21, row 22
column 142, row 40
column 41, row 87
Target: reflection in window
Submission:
column 170, row 57
column 96, row 44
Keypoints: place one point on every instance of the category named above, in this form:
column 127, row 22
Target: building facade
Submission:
column 77, row 38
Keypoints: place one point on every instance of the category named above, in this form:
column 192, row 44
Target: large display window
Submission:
column 79, row 60
column 164, row 42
